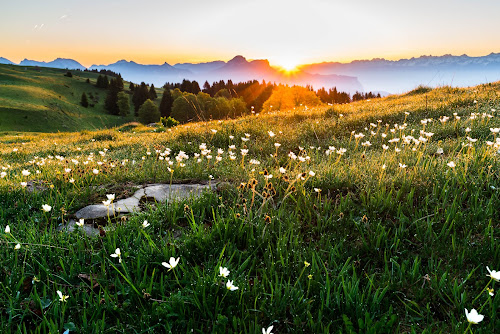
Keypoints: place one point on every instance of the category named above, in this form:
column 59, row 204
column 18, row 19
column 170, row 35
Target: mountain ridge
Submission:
column 376, row 74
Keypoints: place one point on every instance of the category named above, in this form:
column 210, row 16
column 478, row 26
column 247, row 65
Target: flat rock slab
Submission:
column 169, row 192
column 86, row 228
column 157, row 192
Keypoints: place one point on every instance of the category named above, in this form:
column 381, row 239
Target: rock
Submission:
column 95, row 211
column 157, row 192
column 88, row 229
column 166, row 192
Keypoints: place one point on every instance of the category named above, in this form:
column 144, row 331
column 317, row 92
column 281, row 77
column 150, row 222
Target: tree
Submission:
column 102, row 81
column 152, row 92
column 84, row 101
column 166, row 103
column 148, row 112
column 131, row 87
column 68, row 74
column 141, row 94
column 206, row 87
column 123, row 104
column 111, row 102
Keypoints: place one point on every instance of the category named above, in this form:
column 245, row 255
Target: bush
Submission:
column 148, row 112
column 68, row 74
column 169, row 122
column 84, row 101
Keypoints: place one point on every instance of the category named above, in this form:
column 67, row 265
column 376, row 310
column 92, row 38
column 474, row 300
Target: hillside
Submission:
column 377, row 216
column 44, row 100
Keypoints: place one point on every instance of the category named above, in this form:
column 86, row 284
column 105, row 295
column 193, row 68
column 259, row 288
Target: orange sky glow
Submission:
column 284, row 32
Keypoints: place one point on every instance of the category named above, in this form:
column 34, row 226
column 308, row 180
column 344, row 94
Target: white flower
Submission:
column 7, row 229
column 311, row 173
column 473, row 317
column 95, row 171
column 493, row 274
column 117, row 254
column 25, row 172
column 402, row 165
column 72, row 180
column 17, row 246
column 80, row 223
column 107, row 203
column 495, row 130
column 46, row 208
column 172, row 263
column 270, row 133
column 223, row 272
column 282, row 170
column 268, row 330
column 62, row 297
column 384, row 166
column 145, row 224
column 3, row 174
column 317, row 190
column 111, row 197
column 230, row 286
column 24, row 184
column 439, row 151
column 451, row 164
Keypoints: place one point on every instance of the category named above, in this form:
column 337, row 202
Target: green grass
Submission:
column 44, row 100
column 388, row 250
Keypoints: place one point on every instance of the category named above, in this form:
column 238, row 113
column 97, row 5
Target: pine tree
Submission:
column 84, row 101
column 166, row 103
column 131, row 87
column 141, row 94
column 152, row 92
column 195, row 87
column 115, row 87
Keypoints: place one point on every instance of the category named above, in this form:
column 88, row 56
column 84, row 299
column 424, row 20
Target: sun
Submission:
column 288, row 64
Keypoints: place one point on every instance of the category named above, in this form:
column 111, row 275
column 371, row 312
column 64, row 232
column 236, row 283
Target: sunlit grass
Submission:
column 378, row 216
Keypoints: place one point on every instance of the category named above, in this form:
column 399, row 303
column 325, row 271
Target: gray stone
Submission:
column 156, row 192
column 86, row 228
column 95, row 211
column 127, row 205
column 167, row 192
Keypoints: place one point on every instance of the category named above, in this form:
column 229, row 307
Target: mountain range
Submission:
column 377, row 75
column 402, row 75
column 237, row 69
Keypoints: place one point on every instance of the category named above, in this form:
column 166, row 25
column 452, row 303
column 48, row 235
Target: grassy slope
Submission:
column 44, row 100
column 390, row 250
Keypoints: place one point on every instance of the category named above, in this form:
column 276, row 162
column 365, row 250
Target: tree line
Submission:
column 186, row 101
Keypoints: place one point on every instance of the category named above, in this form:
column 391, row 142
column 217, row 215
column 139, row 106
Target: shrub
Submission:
column 169, row 122
column 148, row 112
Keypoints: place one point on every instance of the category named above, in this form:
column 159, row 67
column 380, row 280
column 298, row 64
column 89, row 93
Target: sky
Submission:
column 286, row 32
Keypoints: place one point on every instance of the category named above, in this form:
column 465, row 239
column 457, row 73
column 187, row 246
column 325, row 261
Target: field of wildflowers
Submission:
column 379, row 216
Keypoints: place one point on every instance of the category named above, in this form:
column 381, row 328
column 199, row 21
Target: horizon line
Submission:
column 253, row 59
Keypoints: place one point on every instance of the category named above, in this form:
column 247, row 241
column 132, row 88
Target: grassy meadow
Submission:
column 379, row 216
column 44, row 100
